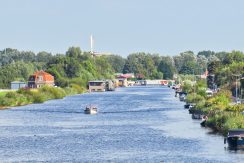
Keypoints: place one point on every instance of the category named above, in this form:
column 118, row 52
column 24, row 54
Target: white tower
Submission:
column 92, row 44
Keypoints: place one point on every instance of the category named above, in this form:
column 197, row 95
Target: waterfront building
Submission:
column 17, row 85
column 97, row 86
column 39, row 79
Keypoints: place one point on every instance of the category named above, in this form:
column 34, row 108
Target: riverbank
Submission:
column 28, row 96
column 222, row 113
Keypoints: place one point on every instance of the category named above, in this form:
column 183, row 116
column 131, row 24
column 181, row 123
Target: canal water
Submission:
column 135, row 124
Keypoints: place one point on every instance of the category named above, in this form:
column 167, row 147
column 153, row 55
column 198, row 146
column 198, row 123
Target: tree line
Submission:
column 78, row 67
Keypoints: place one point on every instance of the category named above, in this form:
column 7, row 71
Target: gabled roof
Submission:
column 46, row 76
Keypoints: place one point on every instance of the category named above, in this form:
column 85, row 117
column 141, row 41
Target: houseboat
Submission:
column 235, row 139
column 97, row 86
column 110, row 85
column 90, row 110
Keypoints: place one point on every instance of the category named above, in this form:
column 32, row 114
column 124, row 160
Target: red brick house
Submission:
column 40, row 78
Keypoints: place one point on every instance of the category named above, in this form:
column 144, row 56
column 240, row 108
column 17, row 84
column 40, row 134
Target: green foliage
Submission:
column 38, row 97
column 194, row 98
column 236, row 108
column 52, row 92
column 141, row 63
column 223, row 121
column 78, row 88
column 26, row 96
column 217, row 121
column 206, row 54
column 14, row 71
column 73, row 52
column 187, row 86
column 234, row 121
column 234, row 56
column 117, row 62
column 166, row 66
column 13, row 98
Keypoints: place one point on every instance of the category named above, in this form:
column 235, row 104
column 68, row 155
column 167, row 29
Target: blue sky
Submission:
column 167, row 27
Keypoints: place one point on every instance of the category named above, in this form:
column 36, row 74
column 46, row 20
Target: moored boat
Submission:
column 182, row 96
column 90, row 110
column 235, row 139
column 204, row 120
column 197, row 116
column 189, row 105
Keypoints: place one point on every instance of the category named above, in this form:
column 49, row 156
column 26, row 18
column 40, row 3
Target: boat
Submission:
column 182, row 96
column 189, row 105
column 235, row 139
column 204, row 120
column 197, row 116
column 90, row 110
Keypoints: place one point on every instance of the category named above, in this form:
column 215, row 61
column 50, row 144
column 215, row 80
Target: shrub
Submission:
column 11, row 95
column 78, row 88
column 194, row 98
column 217, row 121
column 70, row 91
column 4, row 101
column 38, row 97
column 234, row 121
column 52, row 92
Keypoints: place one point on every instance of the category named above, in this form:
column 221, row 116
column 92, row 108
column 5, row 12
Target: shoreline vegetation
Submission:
column 25, row 96
column 223, row 114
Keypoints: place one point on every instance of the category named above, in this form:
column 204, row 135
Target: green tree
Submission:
column 73, row 52
column 166, row 67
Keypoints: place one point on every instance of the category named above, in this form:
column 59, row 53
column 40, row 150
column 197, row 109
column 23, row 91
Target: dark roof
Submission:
column 235, row 132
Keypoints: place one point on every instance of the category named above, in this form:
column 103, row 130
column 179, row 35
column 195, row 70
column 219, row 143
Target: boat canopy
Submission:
column 236, row 132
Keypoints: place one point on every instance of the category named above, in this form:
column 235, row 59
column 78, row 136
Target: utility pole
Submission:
column 236, row 90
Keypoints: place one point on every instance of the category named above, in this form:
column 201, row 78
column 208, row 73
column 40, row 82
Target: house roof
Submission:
column 46, row 76
column 125, row 76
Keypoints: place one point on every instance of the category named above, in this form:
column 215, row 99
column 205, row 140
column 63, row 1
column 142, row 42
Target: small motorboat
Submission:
column 235, row 139
column 90, row 110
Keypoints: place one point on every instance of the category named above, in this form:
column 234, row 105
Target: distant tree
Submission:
column 166, row 67
column 206, row 53
column 221, row 55
column 234, row 56
column 117, row 62
column 183, row 60
column 202, row 63
column 73, row 52
column 140, row 63
column 43, row 56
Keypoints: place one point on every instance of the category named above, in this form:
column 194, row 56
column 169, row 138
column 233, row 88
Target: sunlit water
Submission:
column 136, row 124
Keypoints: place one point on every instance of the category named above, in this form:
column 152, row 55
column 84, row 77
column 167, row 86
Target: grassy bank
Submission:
column 222, row 113
column 40, row 95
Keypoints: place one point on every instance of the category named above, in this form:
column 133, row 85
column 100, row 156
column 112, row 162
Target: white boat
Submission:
column 90, row 110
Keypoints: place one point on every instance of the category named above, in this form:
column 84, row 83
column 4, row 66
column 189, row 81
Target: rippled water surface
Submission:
column 136, row 124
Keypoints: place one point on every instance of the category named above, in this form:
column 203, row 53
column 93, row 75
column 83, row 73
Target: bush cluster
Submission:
column 26, row 96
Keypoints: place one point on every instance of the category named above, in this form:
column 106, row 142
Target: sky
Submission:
column 122, row 27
